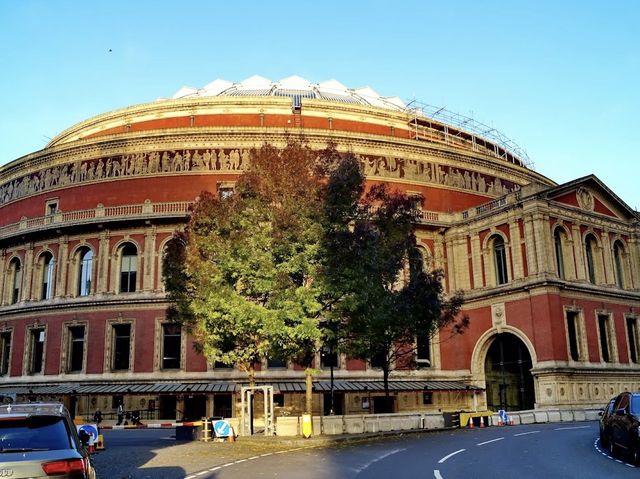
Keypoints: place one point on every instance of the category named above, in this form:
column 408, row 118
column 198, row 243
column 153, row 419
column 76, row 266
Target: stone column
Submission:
column 578, row 253
column 607, row 258
column 460, row 262
column 529, row 239
column 451, row 270
column 439, row 259
column 63, row 267
column 28, row 273
column 541, row 238
column 476, row 260
column 4, row 270
column 516, row 249
column 634, row 256
column 102, row 263
column 149, row 259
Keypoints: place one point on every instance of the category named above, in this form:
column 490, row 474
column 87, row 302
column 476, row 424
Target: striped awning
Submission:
column 340, row 385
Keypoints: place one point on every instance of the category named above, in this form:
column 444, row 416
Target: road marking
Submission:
column 379, row 458
column 252, row 458
column 202, row 473
column 450, row 455
column 214, row 469
column 568, row 428
column 525, row 433
column 240, row 461
column 436, row 474
column 266, row 454
column 488, row 442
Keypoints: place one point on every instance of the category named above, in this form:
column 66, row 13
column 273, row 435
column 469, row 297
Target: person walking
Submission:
column 120, row 414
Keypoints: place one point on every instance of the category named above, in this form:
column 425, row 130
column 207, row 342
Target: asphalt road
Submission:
column 559, row 450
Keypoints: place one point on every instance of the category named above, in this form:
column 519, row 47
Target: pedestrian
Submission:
column 120, row 414
column 97, row 417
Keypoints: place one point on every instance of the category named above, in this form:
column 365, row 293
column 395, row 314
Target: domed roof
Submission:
column 295, row 87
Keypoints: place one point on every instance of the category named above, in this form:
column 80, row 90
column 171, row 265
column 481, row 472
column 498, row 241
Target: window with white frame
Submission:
column 5, row 352
column 121, row 346
column 15, row 271
column 590, row 248
column 500, row 260
column 559, row 239
column 36, row 350
column 128, row 268
column 171, row 346
column 47, row 265
column 632, row 338
column 575, row 335
column 85, row 271
column 618, row 263
column 607, row 337
column 75, row 348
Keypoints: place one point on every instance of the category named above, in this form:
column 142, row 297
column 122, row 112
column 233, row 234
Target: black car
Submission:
column 604, row 421
column 620, row 428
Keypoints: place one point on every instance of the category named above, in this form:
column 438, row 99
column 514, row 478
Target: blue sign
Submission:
column 503, row 416
column 221, row 428
column 90, row 429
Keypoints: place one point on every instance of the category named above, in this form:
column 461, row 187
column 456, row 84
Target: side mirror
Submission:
column 601, row 412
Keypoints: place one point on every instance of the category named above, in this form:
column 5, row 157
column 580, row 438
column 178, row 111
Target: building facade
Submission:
column 551, row 273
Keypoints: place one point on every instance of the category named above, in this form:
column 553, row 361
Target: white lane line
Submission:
column 266, row 454
column 488, row 442
column 525, row 433
column 213, row 469
column 202, row 473
column 450, row 455
column 239, row 461
column 569, row 428
column 189, row 477
column 436, row 474
column 379, row 458
column 252, row 458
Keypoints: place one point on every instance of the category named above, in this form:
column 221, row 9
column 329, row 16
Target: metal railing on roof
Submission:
column 455, row 128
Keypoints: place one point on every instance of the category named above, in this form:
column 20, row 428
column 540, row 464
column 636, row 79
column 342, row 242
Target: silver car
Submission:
column 39, row 440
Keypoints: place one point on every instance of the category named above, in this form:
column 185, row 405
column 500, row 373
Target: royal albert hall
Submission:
column 551, row 273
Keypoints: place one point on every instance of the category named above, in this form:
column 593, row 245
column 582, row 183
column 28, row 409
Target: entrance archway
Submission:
column 508, row 374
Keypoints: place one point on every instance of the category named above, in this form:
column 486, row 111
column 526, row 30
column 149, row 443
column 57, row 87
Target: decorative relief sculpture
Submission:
column 237, row 160
column 585, row 199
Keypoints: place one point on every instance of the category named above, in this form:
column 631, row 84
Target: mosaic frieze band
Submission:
column 235, row 160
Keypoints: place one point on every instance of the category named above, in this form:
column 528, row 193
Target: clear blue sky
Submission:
column 562, row 78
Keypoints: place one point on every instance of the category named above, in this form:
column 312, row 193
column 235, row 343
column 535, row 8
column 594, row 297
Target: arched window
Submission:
column 15, row 269
column 128, row 268
column 618, row 261
column 85, row 269
column 500, row 260
column 47, row 263
column 590, row 245
column 558, row 243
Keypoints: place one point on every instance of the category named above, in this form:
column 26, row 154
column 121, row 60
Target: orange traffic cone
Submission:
column 92, row 445
column 510, row 421
column 471, row 423
column 481, row 421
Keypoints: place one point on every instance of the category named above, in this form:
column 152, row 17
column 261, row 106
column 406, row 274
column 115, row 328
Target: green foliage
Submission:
column 244, row 283
column 381, row 296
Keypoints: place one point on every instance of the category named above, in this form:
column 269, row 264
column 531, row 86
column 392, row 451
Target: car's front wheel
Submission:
column 613, row 449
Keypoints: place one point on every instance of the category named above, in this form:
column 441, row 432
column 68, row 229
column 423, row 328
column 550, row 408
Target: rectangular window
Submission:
column 328, row 359
column 76, row 348
column 37, row 351
column 603, row 328
column 632, row 334
column 277, row 363
column 378, row 360
column 278, row 400
column 5, row 352
column 572, row 331
column 223, row 405
column 427, row 397
column 221, row 365
column 128, row 274
column 116, row 401
column 171, row 346
column 423, row 351
column 121, row 346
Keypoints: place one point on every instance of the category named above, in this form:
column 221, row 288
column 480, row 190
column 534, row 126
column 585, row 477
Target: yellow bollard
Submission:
column 100, row 444
column 206, row 432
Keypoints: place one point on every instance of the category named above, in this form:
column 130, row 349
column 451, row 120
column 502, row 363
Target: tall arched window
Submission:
column 85, row 269
column 590, row 245
column 618, row 258
column 500, row 260
column 128, row 268
column 47, row 263
column 558, row 240
column 16, row 280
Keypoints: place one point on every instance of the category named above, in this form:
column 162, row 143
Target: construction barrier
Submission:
column 100, row 443
column 475, row 419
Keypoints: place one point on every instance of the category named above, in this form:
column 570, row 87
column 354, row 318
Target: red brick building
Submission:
column 551, row 273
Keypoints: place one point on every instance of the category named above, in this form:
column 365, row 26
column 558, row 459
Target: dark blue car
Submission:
column 620, row 426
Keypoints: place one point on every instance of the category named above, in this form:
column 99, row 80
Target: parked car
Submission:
column 604, row 421
column 621, row 428
column 39, row 440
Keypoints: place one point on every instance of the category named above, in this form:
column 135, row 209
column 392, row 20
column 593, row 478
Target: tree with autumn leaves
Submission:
column 299, row 256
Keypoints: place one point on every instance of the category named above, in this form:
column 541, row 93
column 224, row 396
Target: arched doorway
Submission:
column 508, row 374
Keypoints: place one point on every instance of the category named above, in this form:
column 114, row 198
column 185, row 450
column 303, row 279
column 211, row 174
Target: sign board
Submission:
column 90, row 429
column 503, row 416
column 221, row 428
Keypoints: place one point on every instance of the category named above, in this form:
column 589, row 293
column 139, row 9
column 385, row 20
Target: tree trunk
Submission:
column 308, row 391
column 251, row 372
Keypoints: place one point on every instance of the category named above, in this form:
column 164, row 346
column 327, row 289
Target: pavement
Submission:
column 184, row 459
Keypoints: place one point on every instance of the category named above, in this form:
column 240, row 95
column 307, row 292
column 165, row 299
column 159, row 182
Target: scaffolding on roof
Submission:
column 434, row 123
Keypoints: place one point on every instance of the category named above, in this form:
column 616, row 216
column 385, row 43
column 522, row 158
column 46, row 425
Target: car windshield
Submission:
column 35, row 433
